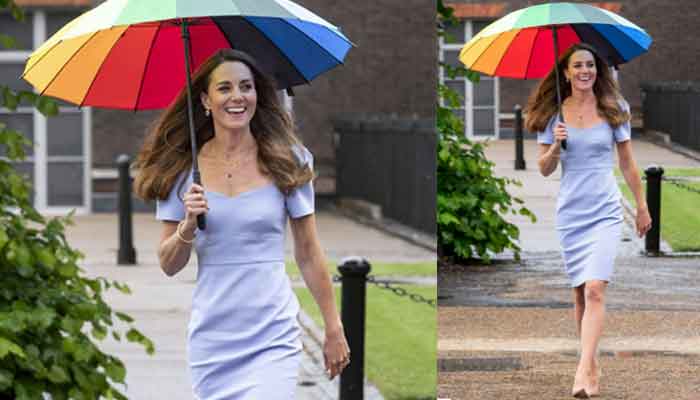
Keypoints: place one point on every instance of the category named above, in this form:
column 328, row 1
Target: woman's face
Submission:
column 231, row 96
column 581, row 70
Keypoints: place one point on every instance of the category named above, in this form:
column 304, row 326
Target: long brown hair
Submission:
column 166, row 152
column 542, row 104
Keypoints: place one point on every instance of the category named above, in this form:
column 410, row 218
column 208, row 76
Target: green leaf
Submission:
column 46, row 106
column 16, row 12
column 121, row 287
column 99, row 332
column 6, row 379
column 116, row 372
column 124, row 317
column 3, row 237
column 8, row 347
column 10, row 100
column 7, row 42
column 67, row 270
column 44, row 257
column 58, row 374
column 134, row 335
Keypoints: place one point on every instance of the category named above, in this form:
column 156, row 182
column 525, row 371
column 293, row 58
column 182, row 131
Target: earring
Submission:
column 207, row 112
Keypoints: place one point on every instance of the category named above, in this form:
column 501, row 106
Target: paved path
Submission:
column 161, row 305
column 510, row 327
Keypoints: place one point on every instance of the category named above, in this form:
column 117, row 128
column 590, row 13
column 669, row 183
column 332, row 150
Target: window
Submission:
column 479, row 105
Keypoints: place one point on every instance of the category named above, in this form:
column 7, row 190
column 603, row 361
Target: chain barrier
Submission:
column 678, row 183
column 399, row 291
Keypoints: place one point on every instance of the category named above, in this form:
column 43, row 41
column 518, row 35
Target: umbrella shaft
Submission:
column 190, row 117
column 556, row 73
column 196, row 178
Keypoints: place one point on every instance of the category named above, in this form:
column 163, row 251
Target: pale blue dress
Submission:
column 243, row 336
column 589, row 211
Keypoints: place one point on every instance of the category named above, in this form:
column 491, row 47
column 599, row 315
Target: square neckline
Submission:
column 243, row 193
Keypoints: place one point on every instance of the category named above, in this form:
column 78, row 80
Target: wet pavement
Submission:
column 639, row 283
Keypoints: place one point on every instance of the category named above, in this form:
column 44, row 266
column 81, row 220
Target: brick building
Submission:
column 671, row 56
column 392, row 71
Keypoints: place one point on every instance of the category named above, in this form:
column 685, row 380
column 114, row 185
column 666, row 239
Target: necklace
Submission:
column 230, row 162
column 578, row 111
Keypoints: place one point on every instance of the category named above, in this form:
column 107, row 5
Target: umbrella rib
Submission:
column 145, row 66
column 99, row 69
column 268, row 39
column 66, row 63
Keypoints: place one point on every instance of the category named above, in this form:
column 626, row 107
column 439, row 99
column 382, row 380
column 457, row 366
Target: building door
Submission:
column 58, row 165
column 480, row 105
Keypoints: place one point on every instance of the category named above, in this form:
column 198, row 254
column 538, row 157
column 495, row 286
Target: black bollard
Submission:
column 519, row 157
column 654, row 175
column 127, row 253
column 354, row 271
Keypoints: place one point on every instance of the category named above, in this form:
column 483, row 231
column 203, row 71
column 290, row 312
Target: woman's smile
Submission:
column 231, row 96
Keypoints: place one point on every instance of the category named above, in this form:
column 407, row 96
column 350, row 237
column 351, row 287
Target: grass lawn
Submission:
column 680, row 218
column 417, row 269
column 400, row 343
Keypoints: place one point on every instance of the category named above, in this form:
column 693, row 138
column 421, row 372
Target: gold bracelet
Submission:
column 179, row 234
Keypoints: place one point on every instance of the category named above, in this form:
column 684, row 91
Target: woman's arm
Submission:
column 312, row 264
column 548, row 159
column 549, row 153
column 173, row 251
column 631, row 173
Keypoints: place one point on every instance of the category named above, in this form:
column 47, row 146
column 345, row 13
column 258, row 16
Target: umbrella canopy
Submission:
column 521, row 45
column 129, row 54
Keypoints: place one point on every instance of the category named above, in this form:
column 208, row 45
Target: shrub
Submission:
column 50, row 314
column 472, row 202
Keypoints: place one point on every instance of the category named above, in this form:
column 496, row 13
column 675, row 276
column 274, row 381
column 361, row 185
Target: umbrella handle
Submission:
column 201, row 218
column 201, row 222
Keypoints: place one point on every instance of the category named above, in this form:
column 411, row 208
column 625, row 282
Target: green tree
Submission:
column 472, row 202
column 51, row 315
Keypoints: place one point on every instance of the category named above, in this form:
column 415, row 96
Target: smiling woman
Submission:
column 243, row 330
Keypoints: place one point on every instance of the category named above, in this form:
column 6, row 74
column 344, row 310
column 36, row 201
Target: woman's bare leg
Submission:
column 591, row 331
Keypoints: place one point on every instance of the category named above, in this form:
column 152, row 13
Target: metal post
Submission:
column 354, row 271
column 519, row 157
column 127, row 253
column 654, row 174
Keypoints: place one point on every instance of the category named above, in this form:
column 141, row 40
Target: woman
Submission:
column 589, row 212
column 243, row 338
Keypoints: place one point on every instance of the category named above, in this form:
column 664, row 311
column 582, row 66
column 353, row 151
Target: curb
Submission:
column 664, row 140
column 390, row 227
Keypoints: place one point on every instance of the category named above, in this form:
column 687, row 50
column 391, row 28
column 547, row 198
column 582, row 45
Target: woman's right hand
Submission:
column 195, row 204
column 560, row 133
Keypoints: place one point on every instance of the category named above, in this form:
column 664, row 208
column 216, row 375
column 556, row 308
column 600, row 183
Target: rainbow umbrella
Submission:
column 526, row 43
column 130, row 54
column 138, row 54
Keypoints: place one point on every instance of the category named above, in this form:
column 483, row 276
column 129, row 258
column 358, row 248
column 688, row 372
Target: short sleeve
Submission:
column 623, row 132
column 547, row 136
column 300, row 202
column 172, row 208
